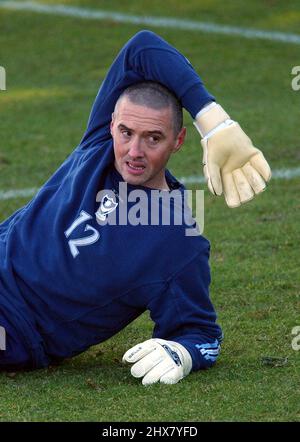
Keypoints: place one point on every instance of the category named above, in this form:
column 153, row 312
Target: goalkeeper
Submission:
column 68, row 280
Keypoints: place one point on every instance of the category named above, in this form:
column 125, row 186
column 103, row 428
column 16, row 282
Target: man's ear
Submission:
column 112, row 122
column 179, row 140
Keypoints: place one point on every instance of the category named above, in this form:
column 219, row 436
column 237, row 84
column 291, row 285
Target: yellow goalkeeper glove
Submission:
column 232, row 165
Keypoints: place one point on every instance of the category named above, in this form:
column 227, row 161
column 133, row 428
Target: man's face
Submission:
column 144, row 140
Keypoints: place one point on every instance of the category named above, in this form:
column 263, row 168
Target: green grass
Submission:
column 264, row 14
column 54, row 66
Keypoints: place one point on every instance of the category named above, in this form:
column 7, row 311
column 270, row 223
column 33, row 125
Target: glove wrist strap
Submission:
column 209, row 118
column 185, row 357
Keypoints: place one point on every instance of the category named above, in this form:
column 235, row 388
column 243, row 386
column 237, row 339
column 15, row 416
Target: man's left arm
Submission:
column 146, row 56
column 232, row 165
column 186, row 336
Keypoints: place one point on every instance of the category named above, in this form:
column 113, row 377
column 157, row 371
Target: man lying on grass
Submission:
column 74, row 270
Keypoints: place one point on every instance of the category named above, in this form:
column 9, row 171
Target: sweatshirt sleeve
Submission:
column 146, row 56
column 184, row 312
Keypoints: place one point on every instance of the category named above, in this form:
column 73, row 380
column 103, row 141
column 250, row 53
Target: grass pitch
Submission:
column 54, row 67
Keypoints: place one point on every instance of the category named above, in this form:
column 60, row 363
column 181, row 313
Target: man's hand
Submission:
column 159, row 360
column 232, row 164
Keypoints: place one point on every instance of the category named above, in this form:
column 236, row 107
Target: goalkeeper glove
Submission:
column 159, row 360
column 231, row 163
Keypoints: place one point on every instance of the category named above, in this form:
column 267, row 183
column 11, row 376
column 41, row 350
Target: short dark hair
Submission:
column 156, row 96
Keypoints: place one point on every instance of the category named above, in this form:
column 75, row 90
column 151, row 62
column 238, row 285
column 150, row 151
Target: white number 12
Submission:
column 79, row 242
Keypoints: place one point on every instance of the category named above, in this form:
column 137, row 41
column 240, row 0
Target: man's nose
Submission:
column 136, row 148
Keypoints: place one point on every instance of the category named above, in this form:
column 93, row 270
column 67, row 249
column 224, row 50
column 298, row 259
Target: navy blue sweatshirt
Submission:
column 69, row 280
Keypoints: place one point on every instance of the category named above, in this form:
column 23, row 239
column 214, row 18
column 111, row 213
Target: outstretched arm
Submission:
column 232, row 165
column 146, row 56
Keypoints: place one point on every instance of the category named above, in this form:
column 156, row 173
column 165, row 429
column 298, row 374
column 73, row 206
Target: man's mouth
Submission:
column 135, row 168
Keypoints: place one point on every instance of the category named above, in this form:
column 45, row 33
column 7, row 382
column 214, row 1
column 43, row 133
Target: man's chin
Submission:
column 134, row 180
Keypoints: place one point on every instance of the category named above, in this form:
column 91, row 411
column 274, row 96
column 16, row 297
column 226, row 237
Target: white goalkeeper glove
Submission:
column 232, row 164
column 159, row 360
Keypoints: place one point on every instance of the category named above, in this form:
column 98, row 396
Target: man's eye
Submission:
column 126, row 133
column 154, row 139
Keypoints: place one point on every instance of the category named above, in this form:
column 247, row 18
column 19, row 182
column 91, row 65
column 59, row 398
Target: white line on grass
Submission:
column 186, row 25
column 17, row 193
column 286, row 174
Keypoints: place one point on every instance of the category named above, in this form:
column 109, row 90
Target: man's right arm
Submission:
column 186, row 336
column 146, row 56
